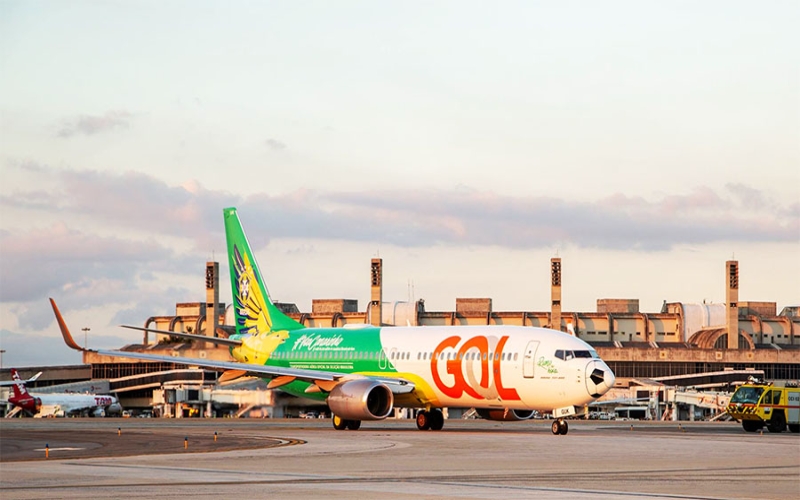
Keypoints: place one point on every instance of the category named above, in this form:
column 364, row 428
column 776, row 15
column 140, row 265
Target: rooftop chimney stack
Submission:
column 376, row 286
column 555, row 293
column 212, row 298
column 732, row 303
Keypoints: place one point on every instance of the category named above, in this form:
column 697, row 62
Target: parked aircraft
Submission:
column 362, row 372
column 60, row 404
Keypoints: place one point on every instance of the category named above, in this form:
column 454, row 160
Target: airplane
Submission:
column 61, row 404
column 363, row 372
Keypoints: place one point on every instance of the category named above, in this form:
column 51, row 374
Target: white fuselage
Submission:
column 65, row 404
column 498, row 367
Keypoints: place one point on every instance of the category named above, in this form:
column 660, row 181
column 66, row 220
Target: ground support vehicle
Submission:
column 775, row 405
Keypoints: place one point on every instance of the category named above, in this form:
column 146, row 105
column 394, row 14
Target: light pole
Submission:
column 1, row 358
column 85, row 331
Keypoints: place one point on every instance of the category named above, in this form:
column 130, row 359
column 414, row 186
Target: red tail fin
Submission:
column 20, row 391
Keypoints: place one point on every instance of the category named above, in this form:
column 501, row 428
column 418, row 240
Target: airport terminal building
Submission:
column 662, row 357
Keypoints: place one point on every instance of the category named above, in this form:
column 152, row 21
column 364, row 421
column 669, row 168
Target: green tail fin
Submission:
column 253, row 308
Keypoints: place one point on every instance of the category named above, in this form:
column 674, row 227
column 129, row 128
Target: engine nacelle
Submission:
column 506, row 415
column 114, row 409
column 98, row 412
column 361, row 399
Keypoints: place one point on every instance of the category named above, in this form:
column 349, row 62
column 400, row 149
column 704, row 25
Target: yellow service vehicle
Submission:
column 774, row 404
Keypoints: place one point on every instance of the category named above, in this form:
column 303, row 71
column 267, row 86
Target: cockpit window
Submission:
column 568, row 355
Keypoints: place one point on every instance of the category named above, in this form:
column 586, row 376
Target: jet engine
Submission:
column 98, row 412
column 506, row 415
column 114, row 409
column 361, row 399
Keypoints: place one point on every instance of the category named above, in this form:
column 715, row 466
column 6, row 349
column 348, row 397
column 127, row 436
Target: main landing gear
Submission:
column 430, row 419
column 559, row 427
column 341, row 424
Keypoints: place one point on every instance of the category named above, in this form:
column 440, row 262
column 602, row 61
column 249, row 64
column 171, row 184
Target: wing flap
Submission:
column 280, row 381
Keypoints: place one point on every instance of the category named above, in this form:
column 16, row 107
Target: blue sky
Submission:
column 465, row 143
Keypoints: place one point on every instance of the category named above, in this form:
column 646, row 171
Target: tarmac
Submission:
column 299, row 458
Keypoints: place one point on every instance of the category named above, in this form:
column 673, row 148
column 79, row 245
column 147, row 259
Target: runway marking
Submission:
column 65, row 448
column 467, row 481
column 355, row 481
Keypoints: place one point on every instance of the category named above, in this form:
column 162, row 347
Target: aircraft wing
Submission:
column 190, row 336
column 280, row 375
column 322, row 379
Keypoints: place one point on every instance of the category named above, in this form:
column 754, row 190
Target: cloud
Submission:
column 418, row 218
column 91, row 125
column 41, row 262
column 35, row 350
column 130, row 201
column 134, row 244
column 275, row 145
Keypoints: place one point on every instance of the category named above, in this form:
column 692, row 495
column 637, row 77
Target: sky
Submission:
column 464, row 143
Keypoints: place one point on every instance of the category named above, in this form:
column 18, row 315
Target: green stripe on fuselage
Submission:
column 335, row 350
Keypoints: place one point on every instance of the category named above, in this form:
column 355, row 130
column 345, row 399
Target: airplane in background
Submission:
column 59, row 404
column 363, row 372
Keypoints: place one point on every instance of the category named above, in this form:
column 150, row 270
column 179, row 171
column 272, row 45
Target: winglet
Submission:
column 64, row 330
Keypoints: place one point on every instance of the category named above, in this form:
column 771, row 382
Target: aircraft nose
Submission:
column 599, row 378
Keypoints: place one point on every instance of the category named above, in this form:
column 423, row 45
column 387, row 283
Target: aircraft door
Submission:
column 382, row 360
column 529, row 359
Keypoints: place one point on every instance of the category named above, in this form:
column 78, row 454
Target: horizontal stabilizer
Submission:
column 190, row 336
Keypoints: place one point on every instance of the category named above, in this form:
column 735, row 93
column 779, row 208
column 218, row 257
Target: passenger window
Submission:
column 515, row 356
